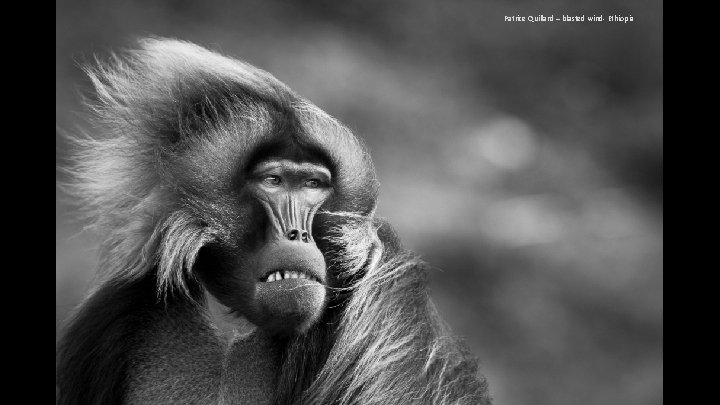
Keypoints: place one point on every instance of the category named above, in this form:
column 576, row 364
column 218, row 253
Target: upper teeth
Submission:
column 279, row 275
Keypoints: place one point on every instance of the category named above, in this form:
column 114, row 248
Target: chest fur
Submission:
column 188, row 360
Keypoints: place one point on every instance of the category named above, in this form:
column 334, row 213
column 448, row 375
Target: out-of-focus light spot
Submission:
column 485, row 152
column 508, row 143
column 523, row 221
column 464, row 164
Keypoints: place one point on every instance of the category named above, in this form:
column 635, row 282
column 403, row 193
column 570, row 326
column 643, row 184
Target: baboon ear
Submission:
column 167, row 89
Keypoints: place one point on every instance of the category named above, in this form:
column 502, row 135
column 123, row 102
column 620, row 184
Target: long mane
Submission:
column 380, row 341
column 147, row 101
column 143, row 102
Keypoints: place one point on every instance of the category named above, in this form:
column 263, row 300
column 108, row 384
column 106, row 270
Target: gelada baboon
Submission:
column 240, row 258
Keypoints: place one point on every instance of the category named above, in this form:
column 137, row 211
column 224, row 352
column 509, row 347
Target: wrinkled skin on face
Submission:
column 279, row 279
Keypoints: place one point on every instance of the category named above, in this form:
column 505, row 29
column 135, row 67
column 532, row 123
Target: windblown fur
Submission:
column 387, row 344
column 380, row 340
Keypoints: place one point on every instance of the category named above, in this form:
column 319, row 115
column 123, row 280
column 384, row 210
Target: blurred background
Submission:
column 522, row 160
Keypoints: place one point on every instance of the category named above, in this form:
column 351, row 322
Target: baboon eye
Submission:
column 272, row 180
column 312, row 183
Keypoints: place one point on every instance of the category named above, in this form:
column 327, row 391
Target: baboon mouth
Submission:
column 280, row 275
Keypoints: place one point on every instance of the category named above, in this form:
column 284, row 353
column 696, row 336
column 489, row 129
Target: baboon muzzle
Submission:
column 290, row 294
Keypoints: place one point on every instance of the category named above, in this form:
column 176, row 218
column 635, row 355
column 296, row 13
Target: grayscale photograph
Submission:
column 359, row 202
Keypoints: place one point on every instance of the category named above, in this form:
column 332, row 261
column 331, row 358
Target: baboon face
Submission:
column 273, row 272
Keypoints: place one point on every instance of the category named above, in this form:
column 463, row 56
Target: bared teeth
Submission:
column 282, row 275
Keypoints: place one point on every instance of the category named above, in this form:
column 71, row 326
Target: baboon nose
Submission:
column 298, row 235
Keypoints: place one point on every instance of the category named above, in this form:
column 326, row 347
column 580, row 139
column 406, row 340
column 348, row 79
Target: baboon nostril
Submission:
column 293, row 234
column 304, row 236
